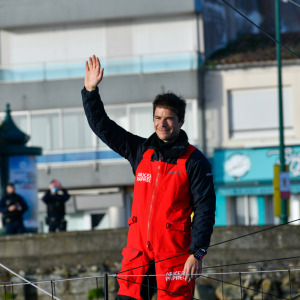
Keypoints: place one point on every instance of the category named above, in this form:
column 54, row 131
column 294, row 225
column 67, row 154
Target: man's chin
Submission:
column 167, row 139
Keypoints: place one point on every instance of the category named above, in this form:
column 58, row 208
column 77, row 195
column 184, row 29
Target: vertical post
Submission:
column 283, row 218
column 97, row 288
column 105, row 287
column 262, row 288
column 4, row 173
column 241, row 287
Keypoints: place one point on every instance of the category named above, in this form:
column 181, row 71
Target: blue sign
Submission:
column 23, row 173
column 253, row 165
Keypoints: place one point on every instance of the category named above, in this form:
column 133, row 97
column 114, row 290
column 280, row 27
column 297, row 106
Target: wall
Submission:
column 92, row 253
column 35, row 12
column 46, row 251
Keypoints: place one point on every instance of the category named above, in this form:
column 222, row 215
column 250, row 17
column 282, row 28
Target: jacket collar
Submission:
column 168, row 150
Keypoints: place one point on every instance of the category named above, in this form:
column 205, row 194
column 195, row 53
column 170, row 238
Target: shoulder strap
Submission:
column 185, row 156
column 148, row 153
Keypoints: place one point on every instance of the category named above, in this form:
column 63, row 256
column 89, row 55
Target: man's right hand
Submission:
column 12, row 207
column 93, row 73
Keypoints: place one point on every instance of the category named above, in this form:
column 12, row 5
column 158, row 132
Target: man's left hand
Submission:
column 192, row 266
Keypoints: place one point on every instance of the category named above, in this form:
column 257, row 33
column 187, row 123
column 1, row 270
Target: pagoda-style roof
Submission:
column 10, row 134
column 13, row 140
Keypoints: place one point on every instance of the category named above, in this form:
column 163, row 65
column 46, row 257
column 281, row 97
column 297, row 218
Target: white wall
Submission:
column 261, row 84
column 110, row 40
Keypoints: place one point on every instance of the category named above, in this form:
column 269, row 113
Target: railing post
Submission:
column 105, row 287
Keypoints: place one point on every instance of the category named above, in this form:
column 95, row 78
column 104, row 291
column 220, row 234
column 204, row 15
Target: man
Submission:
column 55, row 199
column 172, row 180
column 12, row 207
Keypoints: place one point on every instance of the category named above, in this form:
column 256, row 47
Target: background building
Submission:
column 146, row 47
column 242, row 122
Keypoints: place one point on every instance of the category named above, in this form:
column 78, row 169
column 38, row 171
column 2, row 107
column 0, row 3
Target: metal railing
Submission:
column 240, row 282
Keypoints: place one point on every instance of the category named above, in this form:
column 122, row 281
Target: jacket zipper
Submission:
column 151, row 207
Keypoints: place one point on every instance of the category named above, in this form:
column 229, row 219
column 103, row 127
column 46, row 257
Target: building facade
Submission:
column 146, row 47
column 245, row 143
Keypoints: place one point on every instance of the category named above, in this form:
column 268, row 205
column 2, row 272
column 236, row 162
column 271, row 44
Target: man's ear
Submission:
column 181, row 123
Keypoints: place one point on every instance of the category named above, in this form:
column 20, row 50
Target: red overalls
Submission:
column 160, row 228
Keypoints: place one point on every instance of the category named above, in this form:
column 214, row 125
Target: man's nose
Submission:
column 163, row 123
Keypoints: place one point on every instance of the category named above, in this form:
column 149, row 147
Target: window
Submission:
column 119, row 115
column 243, row 210
column 45, row 130
column 68, row 129
column 141, row 120
column 269, row 210
column 190, row 123
column 21, row 121
column 254, row 113
column 76, row 131
column 294, row 208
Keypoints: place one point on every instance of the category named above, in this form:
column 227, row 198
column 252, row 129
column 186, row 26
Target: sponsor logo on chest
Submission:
column 145, row 177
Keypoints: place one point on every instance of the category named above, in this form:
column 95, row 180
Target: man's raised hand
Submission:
column 93, row 73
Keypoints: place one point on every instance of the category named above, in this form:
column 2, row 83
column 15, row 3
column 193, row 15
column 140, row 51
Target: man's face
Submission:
column 10, row 189
column 166, row 124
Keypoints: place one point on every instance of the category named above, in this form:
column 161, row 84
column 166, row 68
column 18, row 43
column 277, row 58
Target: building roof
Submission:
column 256, row 48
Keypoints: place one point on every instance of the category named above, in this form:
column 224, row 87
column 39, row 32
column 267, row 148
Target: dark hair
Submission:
column 171, row 101
column 11, row 184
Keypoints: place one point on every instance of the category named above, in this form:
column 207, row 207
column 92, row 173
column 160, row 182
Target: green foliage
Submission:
column 94, row 293
column 9, row 296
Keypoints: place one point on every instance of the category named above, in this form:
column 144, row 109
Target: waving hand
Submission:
column 93, row 73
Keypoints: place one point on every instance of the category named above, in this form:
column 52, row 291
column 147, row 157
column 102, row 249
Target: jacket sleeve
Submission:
column 3, row 207
column 204, row 200
column 114, row 136
column 46, row 198
column 65, row 196
column 23, row 204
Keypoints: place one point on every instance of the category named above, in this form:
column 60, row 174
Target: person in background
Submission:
column 12, row 207
column 55, row 199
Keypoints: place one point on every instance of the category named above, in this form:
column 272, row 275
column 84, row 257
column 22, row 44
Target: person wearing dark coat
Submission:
column 55, row 199
column 12, row 207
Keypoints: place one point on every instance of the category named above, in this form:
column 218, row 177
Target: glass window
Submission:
column 244, row 210
column 263, row 104
column 119, row 115
column 22, row 122
column 190, row 122
column 253, row 210
column 53, row 130
column 240, row 211
column 269, row 209
column 45, row 131
column 141, row 120
column 294, row 208
column 76, row 131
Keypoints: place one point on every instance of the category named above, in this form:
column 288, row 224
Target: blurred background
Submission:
column 201, row 49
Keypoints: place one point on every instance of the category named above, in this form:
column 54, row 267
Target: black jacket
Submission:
column 12, row 199
column 56, row 203
column 132, row 147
